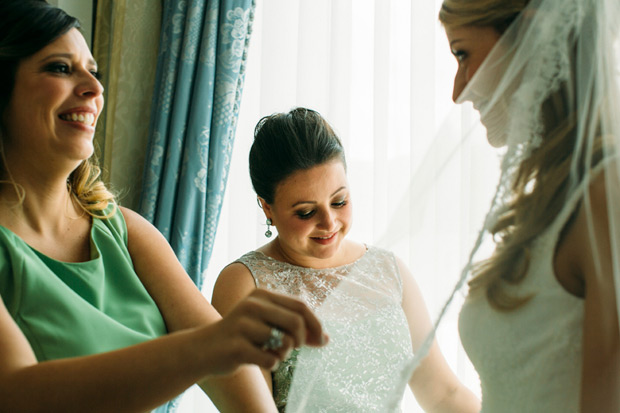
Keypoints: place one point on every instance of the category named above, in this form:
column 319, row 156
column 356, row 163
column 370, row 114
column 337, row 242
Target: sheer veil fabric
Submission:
column 554, row 72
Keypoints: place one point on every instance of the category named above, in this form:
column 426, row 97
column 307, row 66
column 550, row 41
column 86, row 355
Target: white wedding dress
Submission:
column 529, row 359
column 359, row 305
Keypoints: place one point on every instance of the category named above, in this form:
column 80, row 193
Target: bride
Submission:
column 540, row 319
column 540, row 322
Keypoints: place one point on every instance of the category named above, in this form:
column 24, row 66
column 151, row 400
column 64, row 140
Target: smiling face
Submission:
column 470, row 45
column 312, row 212
column 54, row 106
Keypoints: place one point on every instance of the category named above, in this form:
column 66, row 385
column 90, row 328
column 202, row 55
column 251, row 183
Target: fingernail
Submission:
column 324, row 339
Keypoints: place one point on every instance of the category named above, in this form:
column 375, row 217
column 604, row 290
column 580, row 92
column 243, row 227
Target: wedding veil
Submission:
column 548, row 98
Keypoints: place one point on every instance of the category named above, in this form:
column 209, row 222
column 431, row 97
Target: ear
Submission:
column 265, row 206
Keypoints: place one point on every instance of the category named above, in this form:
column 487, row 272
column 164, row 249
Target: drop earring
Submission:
column 268, row 233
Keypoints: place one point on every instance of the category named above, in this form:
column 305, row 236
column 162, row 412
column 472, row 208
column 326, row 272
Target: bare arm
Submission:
column 433, row 383
column 141, row 377
column 233, row 284
column 136, row 378
column 183, row 306
column 600, row 388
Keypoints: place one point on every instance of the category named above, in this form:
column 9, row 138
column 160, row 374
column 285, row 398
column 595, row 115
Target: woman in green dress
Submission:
column 96, row 312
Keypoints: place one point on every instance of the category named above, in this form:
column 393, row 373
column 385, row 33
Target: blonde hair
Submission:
column 89, row 191
column 542, row 181
column 498, row 14
column 84, row 186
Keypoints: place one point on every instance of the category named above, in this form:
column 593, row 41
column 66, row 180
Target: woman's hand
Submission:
column 241, row 337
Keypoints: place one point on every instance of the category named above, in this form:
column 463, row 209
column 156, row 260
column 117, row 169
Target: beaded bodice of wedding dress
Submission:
column 529, row 359
column 359, row 305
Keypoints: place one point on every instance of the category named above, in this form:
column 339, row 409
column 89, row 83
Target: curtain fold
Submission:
column 200, row 77
column 125, row 46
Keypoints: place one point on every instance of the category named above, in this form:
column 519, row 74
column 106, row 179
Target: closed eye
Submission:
column 460, row 55
column 305, row 214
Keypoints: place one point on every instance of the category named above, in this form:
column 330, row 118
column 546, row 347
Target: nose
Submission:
column 460, row 81
column 89, row 86
column 327, row 219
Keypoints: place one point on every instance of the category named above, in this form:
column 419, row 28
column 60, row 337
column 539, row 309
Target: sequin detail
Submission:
column 359, row 305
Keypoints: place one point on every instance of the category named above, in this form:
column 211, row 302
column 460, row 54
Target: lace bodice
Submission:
column 529, row 359
column 359, row 305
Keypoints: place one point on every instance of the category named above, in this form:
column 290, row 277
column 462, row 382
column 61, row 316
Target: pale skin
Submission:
column 583, row 259
column 42, row 148
column 312, row 212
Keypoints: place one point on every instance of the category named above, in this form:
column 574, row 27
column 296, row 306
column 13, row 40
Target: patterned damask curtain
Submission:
column 200, row 73
column 125, row 48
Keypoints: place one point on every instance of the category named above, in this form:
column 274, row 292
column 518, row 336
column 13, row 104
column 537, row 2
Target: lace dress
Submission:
column 529, row 359
column 359, row 305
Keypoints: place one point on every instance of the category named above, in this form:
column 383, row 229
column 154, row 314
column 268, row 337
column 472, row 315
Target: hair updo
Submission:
column 285, row 143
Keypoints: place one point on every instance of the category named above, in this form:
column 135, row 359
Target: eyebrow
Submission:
column 65, row 56
column 455, row 41
column 313, row 202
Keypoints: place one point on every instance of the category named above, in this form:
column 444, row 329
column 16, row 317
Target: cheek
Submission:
column 99, row 102
column 295, row 226
column 473, row 68
column 346, row 214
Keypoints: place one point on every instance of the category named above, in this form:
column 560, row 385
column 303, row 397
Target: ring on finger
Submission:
column 274, row 342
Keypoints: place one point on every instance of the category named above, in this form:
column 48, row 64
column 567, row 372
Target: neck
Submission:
column 42, row 207
column 344, row 255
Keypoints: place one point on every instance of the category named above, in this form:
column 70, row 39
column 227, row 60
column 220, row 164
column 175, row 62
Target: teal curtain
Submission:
column 200, row 73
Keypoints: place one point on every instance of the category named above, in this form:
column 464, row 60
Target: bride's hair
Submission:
column 498, row 14
column 542, row 181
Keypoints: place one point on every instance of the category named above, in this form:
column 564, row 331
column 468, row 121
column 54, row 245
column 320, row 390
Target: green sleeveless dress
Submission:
column 76, row 309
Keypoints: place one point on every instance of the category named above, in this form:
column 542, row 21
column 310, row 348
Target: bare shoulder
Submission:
column 143, row 237
column 135, row 222
column 234, row 283
column 235, row 272
column 405, row 273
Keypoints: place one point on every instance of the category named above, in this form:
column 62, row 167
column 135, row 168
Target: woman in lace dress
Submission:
column 369, row 301
column 540, row 322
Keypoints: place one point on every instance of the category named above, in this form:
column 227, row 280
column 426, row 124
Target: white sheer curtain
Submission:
column 380, row 71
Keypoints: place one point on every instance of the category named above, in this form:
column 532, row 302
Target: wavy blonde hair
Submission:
column 87, row 189
column 542, row 181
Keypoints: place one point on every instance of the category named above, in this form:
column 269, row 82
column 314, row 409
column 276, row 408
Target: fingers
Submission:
column 291, row 315
column 268, row 356
column 271, row 340
column 252, row 330
column 251, row 353
column 313, row 329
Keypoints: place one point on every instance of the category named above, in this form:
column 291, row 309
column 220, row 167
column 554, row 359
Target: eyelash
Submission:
column 460, row 55
column 63, row 68
column 309, row 214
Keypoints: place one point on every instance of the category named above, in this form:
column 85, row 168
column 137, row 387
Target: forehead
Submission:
column 472, row 34
column 311, row 184
column 71, row 43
